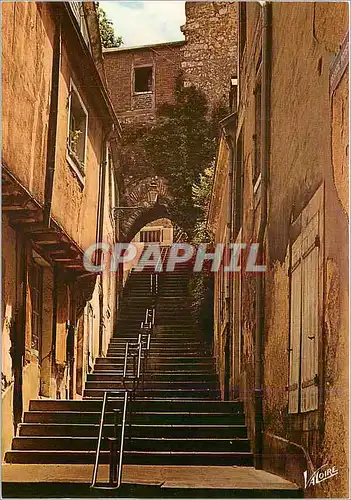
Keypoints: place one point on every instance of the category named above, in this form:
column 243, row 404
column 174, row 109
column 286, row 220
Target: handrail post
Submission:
column 120, row 464
column 96, row 465
column 125, row 361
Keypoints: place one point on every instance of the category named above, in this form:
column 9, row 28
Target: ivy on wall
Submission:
column 181, row 147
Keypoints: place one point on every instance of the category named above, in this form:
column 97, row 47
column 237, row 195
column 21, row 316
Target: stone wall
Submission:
column 207, row 59
column 209, row 56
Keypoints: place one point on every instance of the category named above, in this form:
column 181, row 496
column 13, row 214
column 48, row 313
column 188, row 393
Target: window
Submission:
column 77, row 132
column 150, row 236
column 143, row 79
column 90, row 335
column 35, row 286
column 242, row 28
column 238, row 188
column 258, row 133
column 305, row 309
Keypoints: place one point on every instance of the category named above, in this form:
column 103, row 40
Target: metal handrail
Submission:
column 136, row 366
column 115, row 470
column 143, row 344
column 101, row 426
column 144, row 339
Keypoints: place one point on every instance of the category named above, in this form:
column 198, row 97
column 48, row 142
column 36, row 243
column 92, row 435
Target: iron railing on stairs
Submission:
column 136, row 354
column 116, row 455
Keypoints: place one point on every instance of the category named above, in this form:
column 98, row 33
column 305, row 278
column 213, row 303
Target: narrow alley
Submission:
column 175, row 249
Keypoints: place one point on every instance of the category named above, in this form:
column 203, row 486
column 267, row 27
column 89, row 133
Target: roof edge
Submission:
column 141, row 47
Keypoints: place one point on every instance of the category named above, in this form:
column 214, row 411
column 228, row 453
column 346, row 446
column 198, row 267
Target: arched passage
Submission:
column 149, row 199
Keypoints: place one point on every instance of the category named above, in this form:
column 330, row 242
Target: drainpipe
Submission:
column 229, row 128
column 260, row 288
column 53, row 121
column 118, row 279
column 100, row 224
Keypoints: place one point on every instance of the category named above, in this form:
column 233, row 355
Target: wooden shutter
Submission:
column 310, row 315
column 295, row 327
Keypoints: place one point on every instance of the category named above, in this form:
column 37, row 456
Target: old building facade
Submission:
column 59, row 186
column 281, row 181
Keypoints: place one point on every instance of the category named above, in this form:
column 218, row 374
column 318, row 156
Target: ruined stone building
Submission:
column 60, row 137
column 143, row 79
column 281, row 337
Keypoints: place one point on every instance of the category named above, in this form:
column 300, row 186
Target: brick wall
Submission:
column 120, row 65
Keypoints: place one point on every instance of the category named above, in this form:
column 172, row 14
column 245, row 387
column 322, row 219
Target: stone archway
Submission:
column 149, row 199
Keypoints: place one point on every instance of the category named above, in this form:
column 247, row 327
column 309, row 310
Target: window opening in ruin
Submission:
column 143, row 79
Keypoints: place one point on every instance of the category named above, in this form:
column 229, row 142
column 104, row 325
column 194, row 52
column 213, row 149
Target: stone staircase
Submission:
column 177, row 419
column 183, row 441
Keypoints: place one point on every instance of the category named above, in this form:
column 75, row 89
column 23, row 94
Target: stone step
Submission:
column 160, row 430
column 164, row 352
column 158, row 342
column 133, row 457
column 150, row 406
column 149, row 443
column 139, row 417
column 171, row 378
column 171, row 360
column 144, row 481
column 159, row 367
column 181, row 393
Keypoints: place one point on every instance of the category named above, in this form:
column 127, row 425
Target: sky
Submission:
column 144, row 23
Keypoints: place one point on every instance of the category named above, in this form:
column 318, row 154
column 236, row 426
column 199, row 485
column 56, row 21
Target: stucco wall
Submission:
column 301, row 129
column 27, row 28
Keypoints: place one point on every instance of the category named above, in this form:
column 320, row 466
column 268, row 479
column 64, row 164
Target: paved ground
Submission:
column 207, row 477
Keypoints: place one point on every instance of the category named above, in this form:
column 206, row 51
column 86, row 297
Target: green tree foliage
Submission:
column 107, row 32
column 201, row 199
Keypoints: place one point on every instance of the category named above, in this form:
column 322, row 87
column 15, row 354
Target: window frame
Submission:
column 78, row 166
column 238, row 186
column 143, row 92
column 256, row 171
column 151, row 233
column 35, row 282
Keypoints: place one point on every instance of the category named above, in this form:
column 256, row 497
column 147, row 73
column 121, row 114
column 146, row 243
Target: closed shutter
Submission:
column 295, row 327
column 310, row 315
